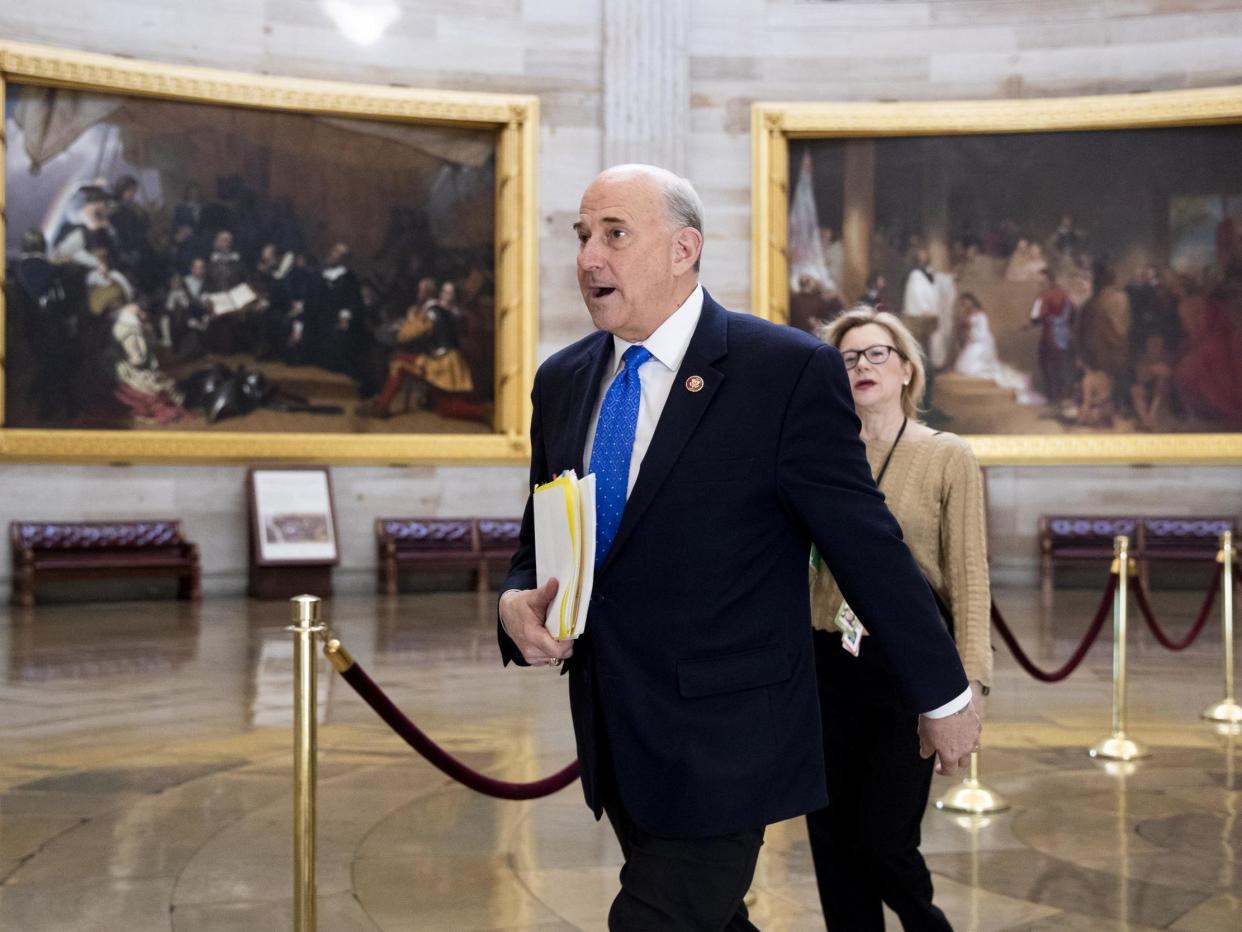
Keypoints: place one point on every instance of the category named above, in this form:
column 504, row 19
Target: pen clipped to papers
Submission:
column 565, row 548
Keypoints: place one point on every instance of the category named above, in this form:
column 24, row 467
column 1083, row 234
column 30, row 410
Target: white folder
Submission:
column 565, row 549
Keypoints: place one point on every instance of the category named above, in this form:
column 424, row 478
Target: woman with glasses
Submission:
column 865, row 843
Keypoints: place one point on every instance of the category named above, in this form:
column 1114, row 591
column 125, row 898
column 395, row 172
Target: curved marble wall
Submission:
column 725, row 54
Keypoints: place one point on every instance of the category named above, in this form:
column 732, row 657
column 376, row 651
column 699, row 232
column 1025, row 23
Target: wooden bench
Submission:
column 471, row 543
column 1195, row 539
column 109, row 549
column 1089, row 538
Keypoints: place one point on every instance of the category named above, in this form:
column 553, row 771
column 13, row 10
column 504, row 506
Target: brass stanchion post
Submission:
column 1118, row 746
column 971, row 796
column 305, row 700
column 1227, row 710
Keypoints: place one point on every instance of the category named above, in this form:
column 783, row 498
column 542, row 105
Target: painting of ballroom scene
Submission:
column 182, row 266
column 1068, row 282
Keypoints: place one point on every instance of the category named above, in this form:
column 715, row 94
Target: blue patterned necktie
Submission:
column 613, row 446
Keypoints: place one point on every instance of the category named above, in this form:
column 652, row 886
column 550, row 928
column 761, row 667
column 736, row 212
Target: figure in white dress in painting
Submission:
column 979, row 359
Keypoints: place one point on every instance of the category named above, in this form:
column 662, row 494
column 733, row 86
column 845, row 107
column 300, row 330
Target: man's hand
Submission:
column 951, row 739
column 522, row 613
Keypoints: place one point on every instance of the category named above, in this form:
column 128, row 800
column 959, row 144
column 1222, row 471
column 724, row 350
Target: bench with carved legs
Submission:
column 101, row 549
column 477, row 544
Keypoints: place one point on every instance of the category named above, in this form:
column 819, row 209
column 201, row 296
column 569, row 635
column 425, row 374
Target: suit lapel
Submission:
column 680, row 416
column 584, row 389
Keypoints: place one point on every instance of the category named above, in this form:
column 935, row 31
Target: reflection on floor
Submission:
column 145, row 782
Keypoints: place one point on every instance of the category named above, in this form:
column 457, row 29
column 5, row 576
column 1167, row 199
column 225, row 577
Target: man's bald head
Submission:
column 681, row 201
column 639, row 240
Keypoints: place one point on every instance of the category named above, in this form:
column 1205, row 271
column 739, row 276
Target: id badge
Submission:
column 852, row 629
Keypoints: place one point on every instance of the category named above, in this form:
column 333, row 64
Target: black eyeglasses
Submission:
column 876, row 355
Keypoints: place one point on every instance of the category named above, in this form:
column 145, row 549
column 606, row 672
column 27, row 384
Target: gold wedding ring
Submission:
column 554, row 662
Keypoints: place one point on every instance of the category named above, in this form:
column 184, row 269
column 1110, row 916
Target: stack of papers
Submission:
column 565, row 548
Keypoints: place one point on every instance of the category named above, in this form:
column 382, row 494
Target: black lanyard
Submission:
column 893, row 449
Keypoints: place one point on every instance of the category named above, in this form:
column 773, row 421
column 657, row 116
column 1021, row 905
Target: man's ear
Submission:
column 687, row 247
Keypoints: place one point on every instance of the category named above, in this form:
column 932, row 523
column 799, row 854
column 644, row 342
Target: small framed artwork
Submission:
column 292, row 518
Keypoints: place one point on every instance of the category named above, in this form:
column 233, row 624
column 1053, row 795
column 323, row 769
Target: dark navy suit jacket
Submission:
column 696, row 665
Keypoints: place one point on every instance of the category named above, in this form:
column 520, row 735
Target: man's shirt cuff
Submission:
column 953, row 705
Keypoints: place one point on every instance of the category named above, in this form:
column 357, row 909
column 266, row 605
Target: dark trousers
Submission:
column 672, row 884
column 865, row 842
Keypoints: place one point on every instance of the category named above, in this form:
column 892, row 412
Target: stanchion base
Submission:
column 1118, row 747
column 1224, row 711
column 973, row 798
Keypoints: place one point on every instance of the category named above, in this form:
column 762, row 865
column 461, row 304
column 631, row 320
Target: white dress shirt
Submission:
column 667, row 345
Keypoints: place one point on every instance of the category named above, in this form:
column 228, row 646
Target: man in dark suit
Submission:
column 722, row 446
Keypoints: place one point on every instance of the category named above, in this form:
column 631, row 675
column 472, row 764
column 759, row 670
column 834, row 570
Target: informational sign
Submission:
column 293, row 517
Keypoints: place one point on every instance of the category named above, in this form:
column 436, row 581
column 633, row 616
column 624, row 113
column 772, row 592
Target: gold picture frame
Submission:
column 513, row 119
column 774, row 125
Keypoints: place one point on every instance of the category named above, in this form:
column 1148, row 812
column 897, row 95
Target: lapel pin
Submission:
column 694, row 383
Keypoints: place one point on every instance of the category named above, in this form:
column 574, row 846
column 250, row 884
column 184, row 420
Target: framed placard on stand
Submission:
column 293, row 536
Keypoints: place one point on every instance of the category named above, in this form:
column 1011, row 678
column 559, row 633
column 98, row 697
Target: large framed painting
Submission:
column 1072, row 267
column 212, row 266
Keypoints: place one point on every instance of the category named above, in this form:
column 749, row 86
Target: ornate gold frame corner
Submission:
column 514, row 118
column 774, row 124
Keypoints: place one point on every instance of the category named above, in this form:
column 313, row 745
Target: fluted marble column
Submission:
column 646, row 82
column 858, row 220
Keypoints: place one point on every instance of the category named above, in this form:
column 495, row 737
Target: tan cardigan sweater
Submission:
column 935, row 491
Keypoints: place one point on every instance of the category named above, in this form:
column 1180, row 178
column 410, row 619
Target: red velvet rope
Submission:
column 375, row 697
column 1093, row 632
column 1165, row 641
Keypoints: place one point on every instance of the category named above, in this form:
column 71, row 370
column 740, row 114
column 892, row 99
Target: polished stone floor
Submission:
column 145, row 782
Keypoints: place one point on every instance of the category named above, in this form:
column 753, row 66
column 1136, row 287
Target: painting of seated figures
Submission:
column 183, row 265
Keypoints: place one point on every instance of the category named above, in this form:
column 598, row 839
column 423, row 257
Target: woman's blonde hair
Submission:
column 907, row 347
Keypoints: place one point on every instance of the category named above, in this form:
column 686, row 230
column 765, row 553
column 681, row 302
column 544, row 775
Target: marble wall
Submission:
column 641, row 79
